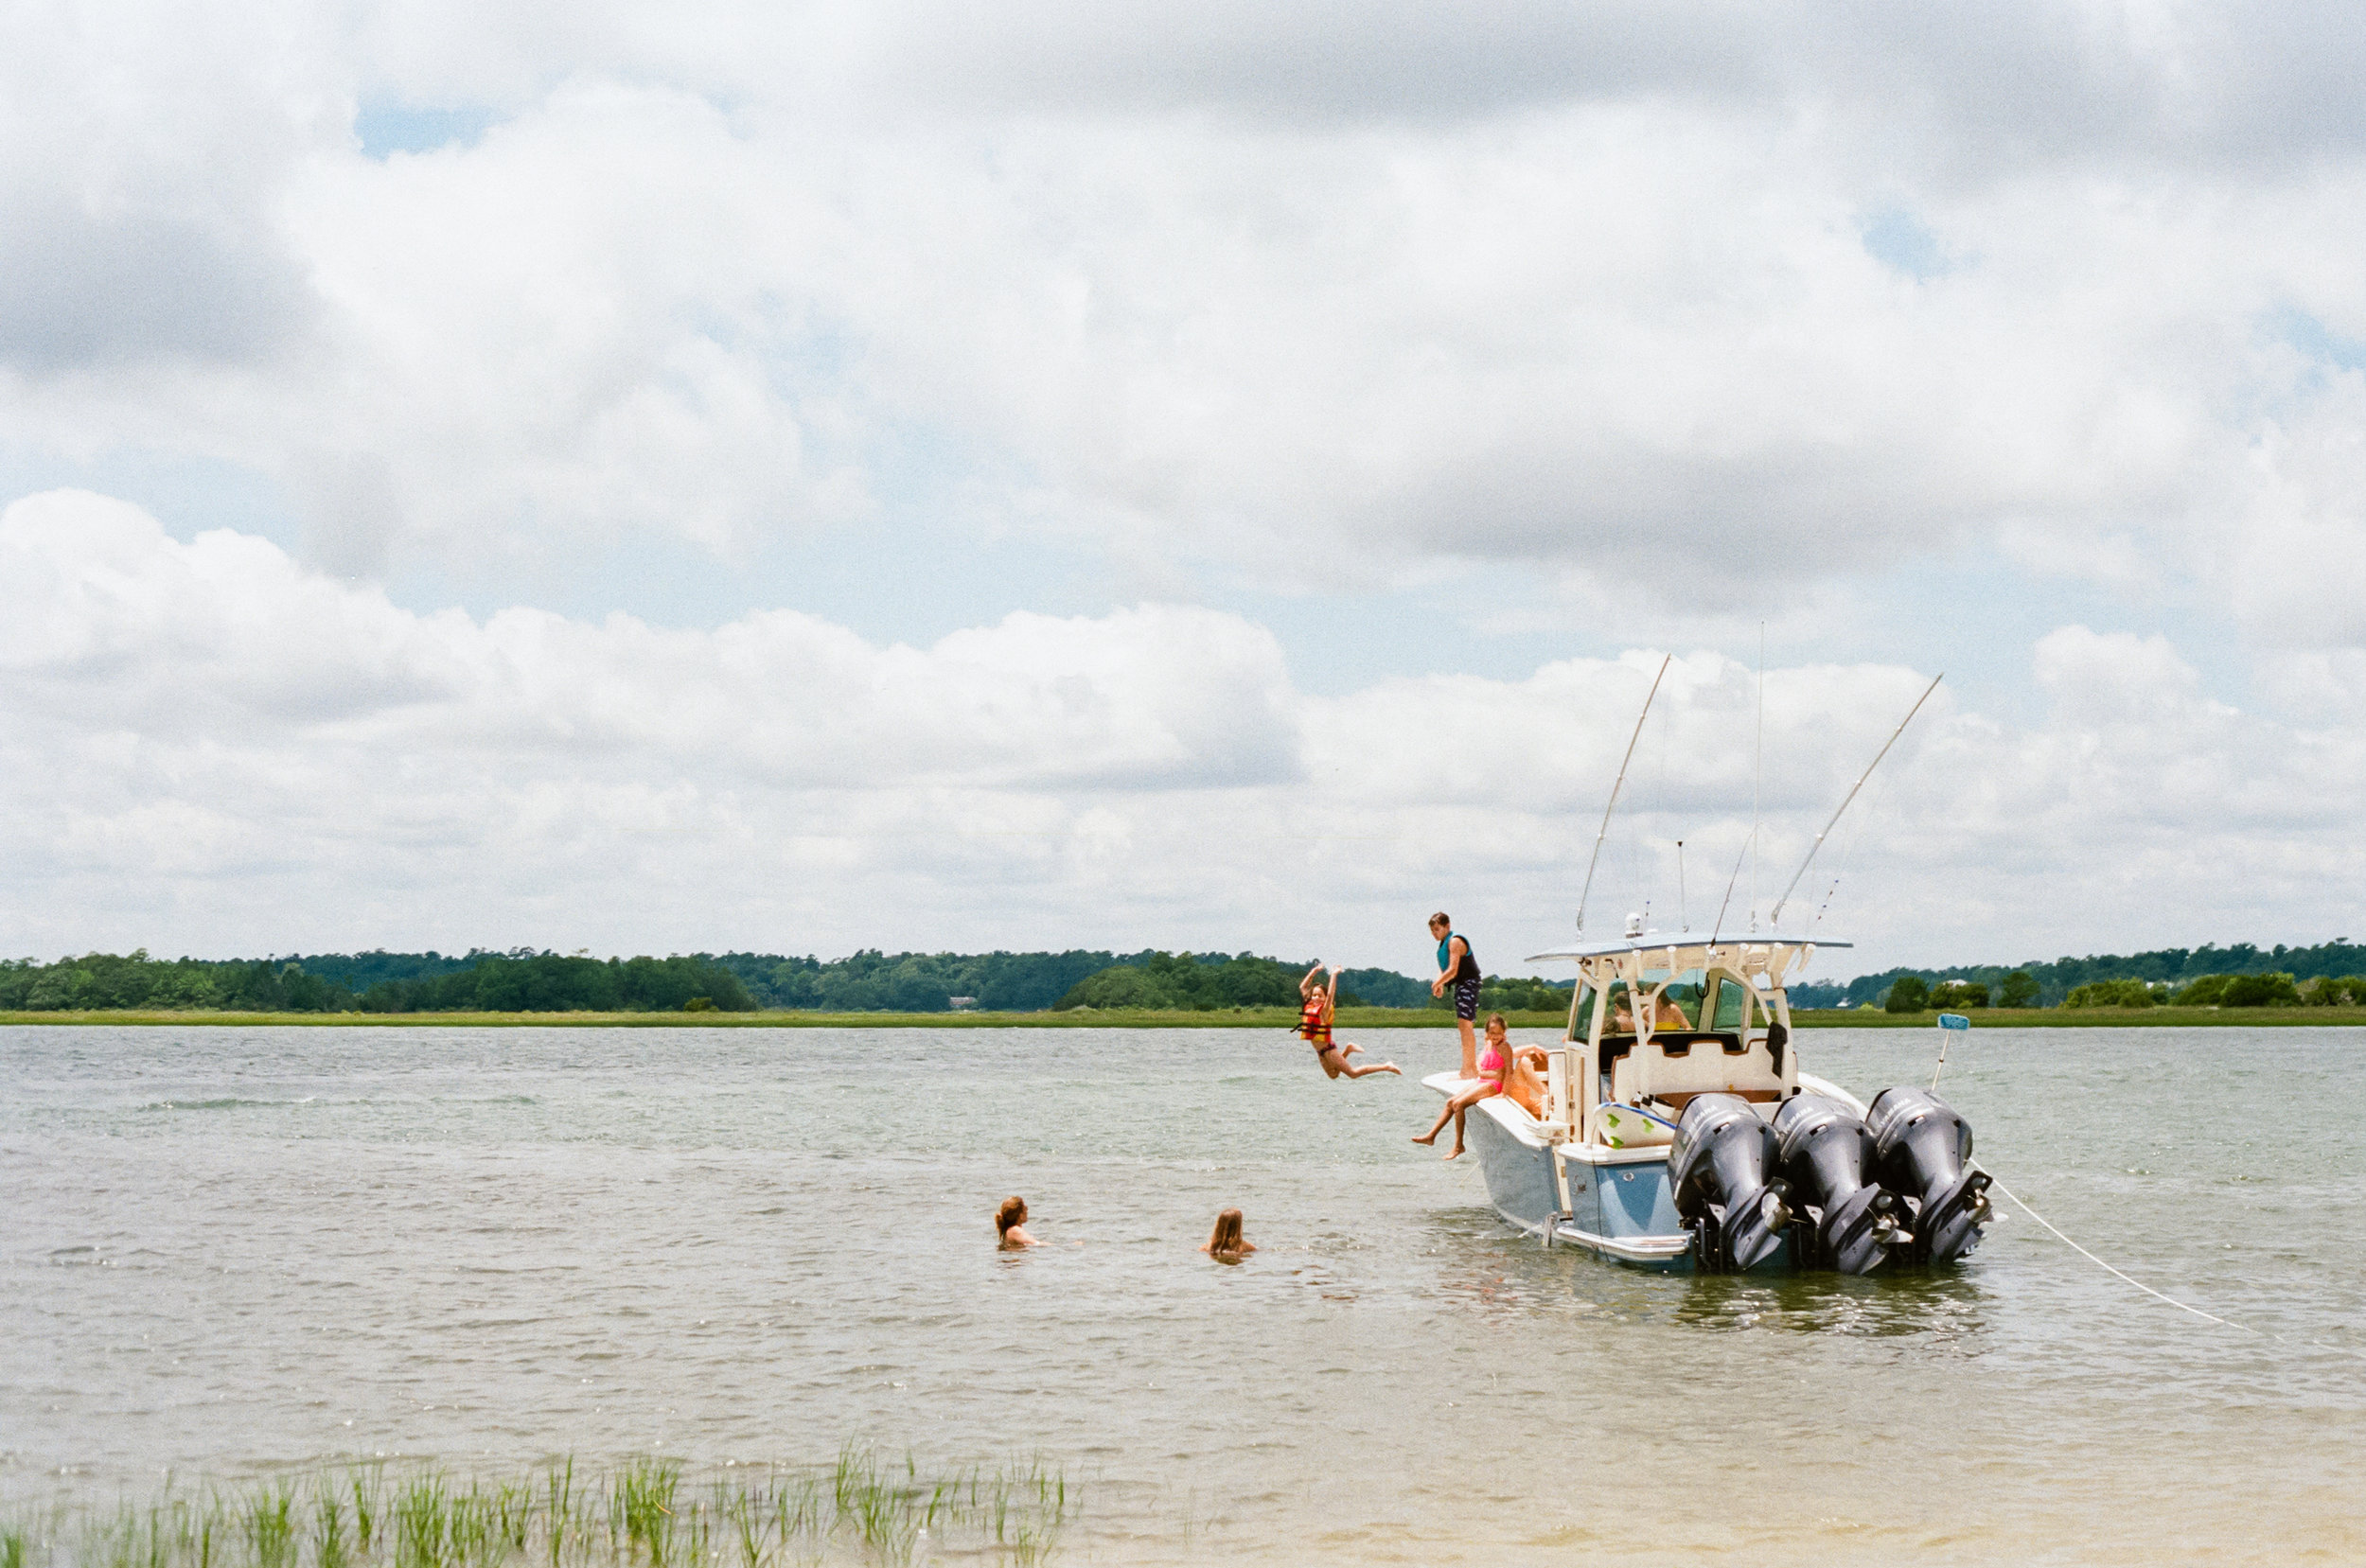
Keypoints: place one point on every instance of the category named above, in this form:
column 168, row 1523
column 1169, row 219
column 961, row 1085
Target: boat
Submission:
column 1678, row 1131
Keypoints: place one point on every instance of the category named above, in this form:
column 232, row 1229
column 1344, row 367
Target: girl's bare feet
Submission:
column 1425, row 1137
column 1388, row 1066
column 1456, row 1153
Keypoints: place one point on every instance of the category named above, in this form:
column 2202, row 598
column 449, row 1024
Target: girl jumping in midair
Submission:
column 1318, row 1004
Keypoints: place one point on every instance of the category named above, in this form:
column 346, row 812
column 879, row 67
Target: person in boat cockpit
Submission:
column 1662, row 1011
column 1318, row 1005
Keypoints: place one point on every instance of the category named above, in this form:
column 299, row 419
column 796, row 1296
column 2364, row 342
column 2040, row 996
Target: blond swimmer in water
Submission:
column 1224, row 1243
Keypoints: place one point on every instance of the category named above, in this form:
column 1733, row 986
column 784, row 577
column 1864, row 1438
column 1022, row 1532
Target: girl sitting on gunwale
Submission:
column 1494, row 1067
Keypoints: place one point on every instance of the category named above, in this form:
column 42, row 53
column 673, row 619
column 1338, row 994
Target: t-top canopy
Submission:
column 1660, row 942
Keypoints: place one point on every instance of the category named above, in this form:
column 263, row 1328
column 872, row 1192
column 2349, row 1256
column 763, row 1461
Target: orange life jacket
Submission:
column 1313, row 1025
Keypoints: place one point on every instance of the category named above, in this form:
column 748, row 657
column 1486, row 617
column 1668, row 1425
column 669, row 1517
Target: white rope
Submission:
column 2207, row 1317
column 2099, row 1262
column 1993, row 1181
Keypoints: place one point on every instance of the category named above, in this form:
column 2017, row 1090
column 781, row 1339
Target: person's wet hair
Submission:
column 1226, row 1236
column 1013, row 1213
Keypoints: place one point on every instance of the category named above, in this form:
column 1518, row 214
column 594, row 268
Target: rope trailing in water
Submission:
column 2100, row 1263
column 2121, row 1274
column 2207, row 1317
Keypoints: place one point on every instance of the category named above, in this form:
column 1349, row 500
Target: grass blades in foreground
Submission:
column 642, row 1514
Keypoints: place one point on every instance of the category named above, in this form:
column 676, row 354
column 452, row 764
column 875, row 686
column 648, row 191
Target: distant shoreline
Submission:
column 2089, row 1017
column 1351, row 1020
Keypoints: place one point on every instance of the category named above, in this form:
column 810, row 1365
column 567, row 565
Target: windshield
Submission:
column 1732, row 1003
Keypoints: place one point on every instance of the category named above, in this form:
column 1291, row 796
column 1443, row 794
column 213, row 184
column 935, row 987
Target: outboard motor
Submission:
column 1923, row 1150
column 1827, row 1154
column 1721, row 1170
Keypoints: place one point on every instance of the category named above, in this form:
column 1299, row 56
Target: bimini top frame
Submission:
column 1767, row 961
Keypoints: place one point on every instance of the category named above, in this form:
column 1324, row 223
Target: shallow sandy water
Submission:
column 223, row 1252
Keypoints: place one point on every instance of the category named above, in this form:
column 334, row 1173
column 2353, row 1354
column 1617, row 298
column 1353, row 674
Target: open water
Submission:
column 224, row 1252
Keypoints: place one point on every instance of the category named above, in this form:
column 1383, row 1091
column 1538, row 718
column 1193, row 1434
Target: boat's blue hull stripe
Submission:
column 1611, row 1207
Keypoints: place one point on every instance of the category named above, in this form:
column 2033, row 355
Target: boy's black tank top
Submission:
column 1468, row 969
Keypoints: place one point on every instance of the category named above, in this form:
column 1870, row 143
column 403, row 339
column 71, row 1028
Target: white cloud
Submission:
column 209, row 747
column 1221, row 295
column 1572, row 289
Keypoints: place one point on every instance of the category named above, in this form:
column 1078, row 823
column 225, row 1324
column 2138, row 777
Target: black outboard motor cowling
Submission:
column 1923, row 1150
column 1720, row 1169
column 1825, row 1154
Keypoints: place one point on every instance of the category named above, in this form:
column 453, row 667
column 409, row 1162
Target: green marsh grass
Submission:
column 644, row 1513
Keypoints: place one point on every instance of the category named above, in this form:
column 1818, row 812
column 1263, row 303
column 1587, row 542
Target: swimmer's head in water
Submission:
column 1226, row 1236
column 1013, row 1213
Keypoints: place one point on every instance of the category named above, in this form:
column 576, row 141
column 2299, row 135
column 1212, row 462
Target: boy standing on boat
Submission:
column 1457, row 967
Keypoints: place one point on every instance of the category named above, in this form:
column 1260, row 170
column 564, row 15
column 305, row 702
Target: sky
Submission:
column 808, row 477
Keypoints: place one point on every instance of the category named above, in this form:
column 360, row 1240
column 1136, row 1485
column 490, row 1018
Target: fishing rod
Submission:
column 1776, row 918
column 1594, row 859
column 1719, row 929
column 1758, row 790
column 1758, row 785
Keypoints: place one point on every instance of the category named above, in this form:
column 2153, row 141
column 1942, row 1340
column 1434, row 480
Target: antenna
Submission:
column 1683, row 921
column 1591, row 860
column 1719, row 929
column 1757, row 782
column 1776, row 917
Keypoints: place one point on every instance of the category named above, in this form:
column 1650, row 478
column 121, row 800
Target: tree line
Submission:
column 2165, row 974
column 2273, row 987
column 1203, row 982
column 527, row 980
column 521, row 981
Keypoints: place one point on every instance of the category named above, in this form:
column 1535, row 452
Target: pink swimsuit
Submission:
column 1492, row 1061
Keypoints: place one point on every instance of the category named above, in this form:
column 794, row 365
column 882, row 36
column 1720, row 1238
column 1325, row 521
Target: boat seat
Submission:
column 1672, row 1104
column 1679, row 1042
column 1699, row 1062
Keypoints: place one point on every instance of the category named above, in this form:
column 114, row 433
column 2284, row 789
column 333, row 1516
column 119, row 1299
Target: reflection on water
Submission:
column 1943, row 1309
column 224, row 1253
column 1490, row 1268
